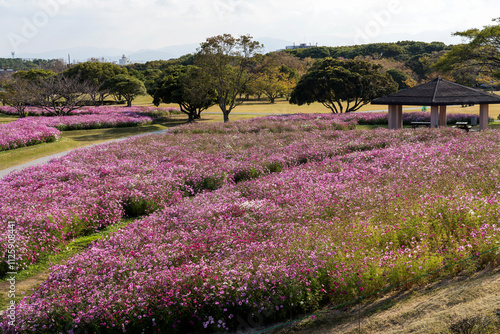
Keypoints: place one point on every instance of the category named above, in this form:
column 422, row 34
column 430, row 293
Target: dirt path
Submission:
column 429, row 310
column 22, row 288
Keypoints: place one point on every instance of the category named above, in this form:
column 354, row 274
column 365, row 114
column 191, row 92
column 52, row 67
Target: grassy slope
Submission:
column 432, row 309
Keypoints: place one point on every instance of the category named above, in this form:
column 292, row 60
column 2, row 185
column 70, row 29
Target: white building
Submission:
column 124, row 61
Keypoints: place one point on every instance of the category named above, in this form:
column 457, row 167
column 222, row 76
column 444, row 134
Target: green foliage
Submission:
column 230, row 66
column 480, row 56
column 400, row 50
column 33, row 75
column 187, row 86
column 333, row 81
column 18, row 64
column 125, row 86
column 399, row 77
column 95, row 72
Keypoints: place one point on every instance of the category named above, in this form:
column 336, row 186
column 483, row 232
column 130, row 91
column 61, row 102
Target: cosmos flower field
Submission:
column 249, row 222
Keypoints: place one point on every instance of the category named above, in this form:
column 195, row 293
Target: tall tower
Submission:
column 13, row 54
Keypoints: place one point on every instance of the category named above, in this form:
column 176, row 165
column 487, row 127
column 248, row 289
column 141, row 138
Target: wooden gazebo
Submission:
column 437, row 94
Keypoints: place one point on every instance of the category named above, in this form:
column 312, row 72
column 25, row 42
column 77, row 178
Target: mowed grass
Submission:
column 284, row 107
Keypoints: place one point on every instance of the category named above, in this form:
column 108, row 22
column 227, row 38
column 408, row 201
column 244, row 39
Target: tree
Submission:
column 332, row 82
column 229, row 63
column 60, row 94
column 34, row 76
column 274, row 83
column 125, row 86
column 187, row 86
column 19, row 93
column 95, row 74
column 482, row 53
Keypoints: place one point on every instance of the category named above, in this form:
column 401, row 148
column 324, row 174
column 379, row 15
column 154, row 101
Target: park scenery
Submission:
column 247, row 191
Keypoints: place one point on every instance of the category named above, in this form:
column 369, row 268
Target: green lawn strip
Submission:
column 79, row 138
column 46, row 261
column 7, row 118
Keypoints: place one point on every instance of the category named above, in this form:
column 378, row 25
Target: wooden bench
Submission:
column 417, row 124
column 463, row 125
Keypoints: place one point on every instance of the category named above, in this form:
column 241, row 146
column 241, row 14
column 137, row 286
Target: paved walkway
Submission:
column 48, row 158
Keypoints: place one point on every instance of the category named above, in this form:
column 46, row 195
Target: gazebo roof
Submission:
column 438, row 92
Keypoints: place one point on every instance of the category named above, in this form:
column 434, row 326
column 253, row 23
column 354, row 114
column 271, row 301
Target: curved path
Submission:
column 48, row 158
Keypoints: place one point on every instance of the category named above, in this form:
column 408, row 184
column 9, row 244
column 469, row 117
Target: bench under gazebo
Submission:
column 437, row 94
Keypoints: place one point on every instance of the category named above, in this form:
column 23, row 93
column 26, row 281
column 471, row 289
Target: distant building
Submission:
column 124, row 61
column 300, row 46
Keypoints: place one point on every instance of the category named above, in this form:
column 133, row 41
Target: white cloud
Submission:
column 141, row 24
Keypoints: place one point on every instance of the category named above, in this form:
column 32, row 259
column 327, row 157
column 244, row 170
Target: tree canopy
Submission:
column 480, row 55
column 185, row 85
column 342, row 85
column 95, row 74
column 125, row 86
column 229, row 62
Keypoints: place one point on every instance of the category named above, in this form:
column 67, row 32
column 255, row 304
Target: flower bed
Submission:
column 94, row 187
column 35, row 111
column 18, row 134
column 350, row 212
column 90, row 121
column 35, row 130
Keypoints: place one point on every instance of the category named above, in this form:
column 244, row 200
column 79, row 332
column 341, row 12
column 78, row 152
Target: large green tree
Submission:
column 342, row 85
column 188, row 86
column 229, row 62
column 481, row 54
column 126, row 87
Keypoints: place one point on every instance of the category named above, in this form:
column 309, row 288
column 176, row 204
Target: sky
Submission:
column 35, row 26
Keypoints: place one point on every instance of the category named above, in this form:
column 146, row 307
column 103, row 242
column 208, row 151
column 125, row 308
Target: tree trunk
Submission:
column 226, row 116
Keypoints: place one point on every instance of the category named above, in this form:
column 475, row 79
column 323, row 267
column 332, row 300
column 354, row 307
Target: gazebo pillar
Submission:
column 442, row 115
column 399, row 116
column 434, row 116
column 393, row 116
column 483, row 116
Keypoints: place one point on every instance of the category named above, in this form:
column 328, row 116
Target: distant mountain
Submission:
column 149, row 55
column 78, row 54
column 273, row 44
column 112, row 54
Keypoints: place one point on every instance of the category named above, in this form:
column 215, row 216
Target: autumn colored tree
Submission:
column 274, row 83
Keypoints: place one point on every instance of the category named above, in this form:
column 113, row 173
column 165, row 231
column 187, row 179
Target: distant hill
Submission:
column 113, row 54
